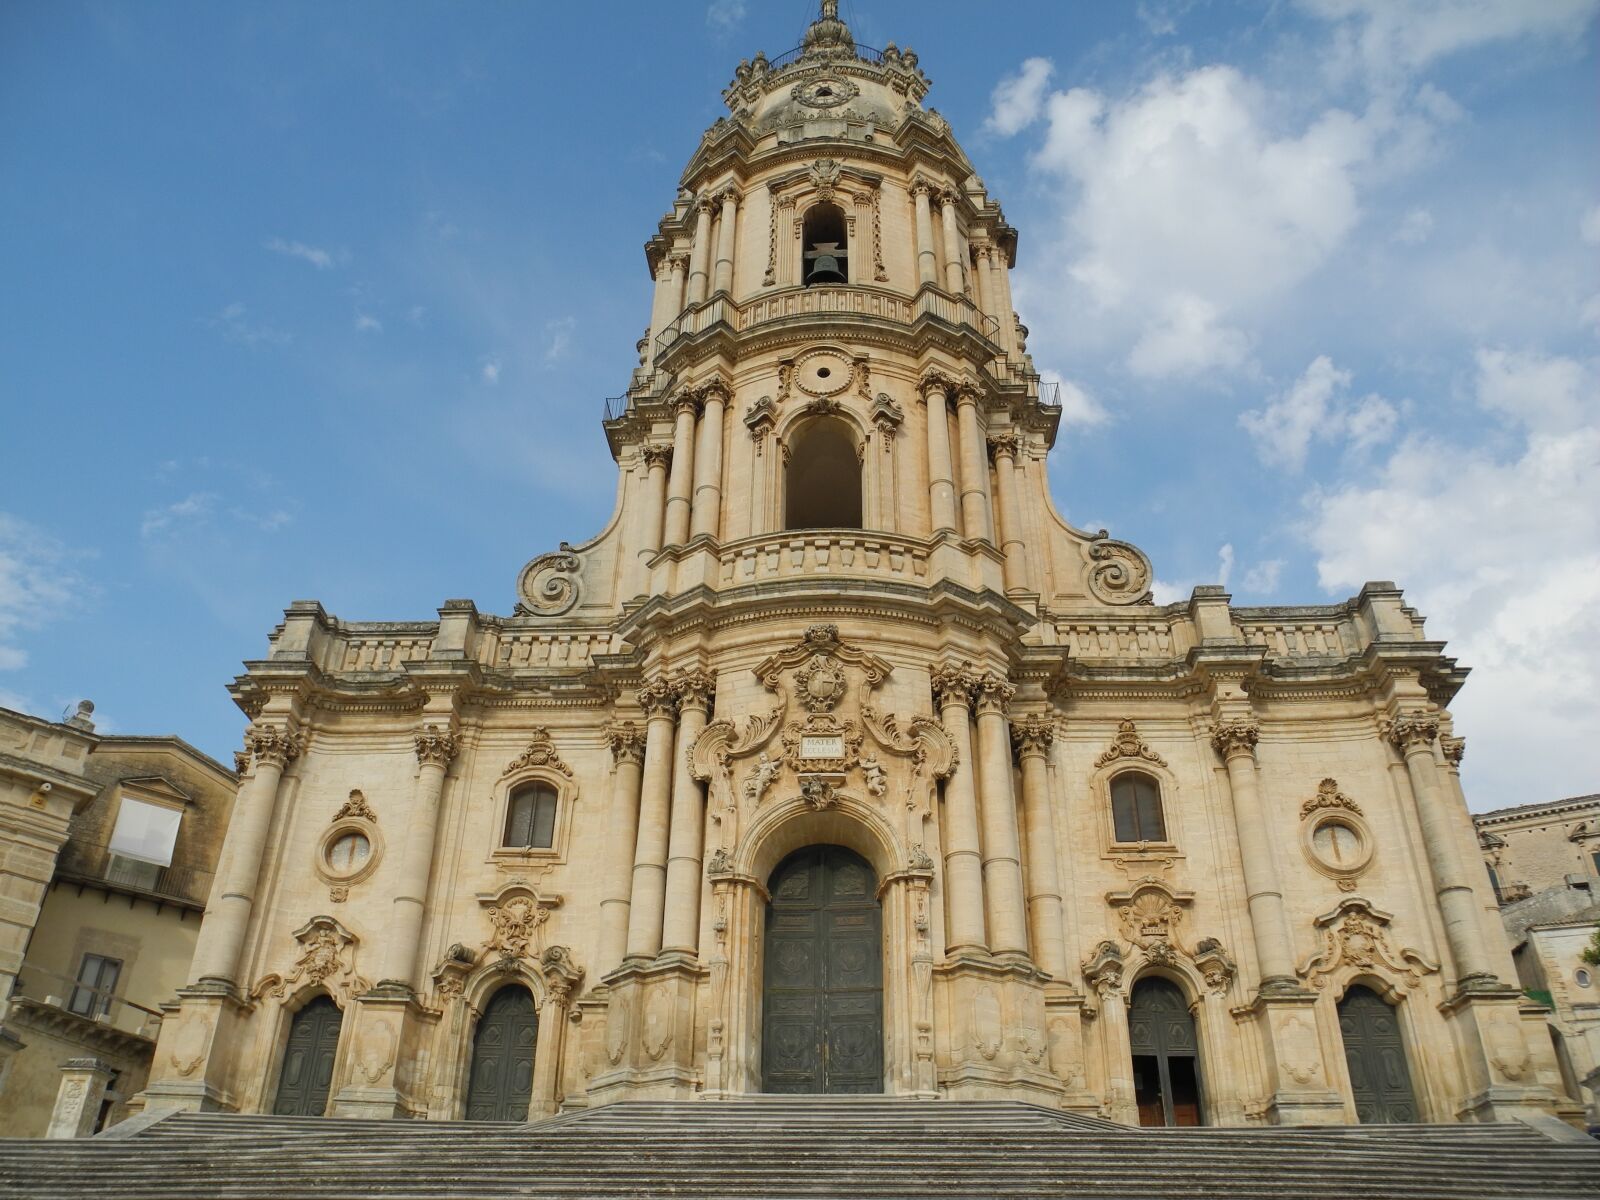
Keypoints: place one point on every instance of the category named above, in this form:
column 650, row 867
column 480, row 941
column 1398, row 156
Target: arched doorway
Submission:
column 308, row 1060
column 822, row 998
column 500, row 1085
column 822, row 482
column 1166, row 1055
column 1379, row 1078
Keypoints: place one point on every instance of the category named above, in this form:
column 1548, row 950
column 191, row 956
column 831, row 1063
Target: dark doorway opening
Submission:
column 1380, row 1081
column 308, row 1060
column 500, row 1086
column 1166, row 1055
column 822, row 482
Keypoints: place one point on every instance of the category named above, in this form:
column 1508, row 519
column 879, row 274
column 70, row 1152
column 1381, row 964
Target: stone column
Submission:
column 660, row 705
column 983, row 285
column 725, row 231
column 627, row 743
column 1495, row 941
column 1032, row 737
column 221, row 937
column 653, row 512
column 1018, row 575
column 1002, row 850
column 1235, row 740
column 678, row 287
column 1413, row 735
column 708, row 463
column 955, row 280
column 676, row 530
column 700, row 252
column 661, row 311
column 927, row 260
column 681, row 932
column 1000, row 297
column 963, row 862
column 974, row 469
column 941, row 483
column 78, row 1100
column 436, row 748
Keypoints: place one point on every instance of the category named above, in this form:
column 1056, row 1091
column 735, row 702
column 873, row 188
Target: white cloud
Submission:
column 1501, row 552
column 1317, row 407
column 1079, row 409
column 1589, row 226
column 367, row 323
column 37, row 582
column 234, row 323
column 1160, row 17
column 1191, row 207
column 1225, row 563
column 319, row 258
column 1414, row 228
column 724, row 15
column 1389, row 39
column 491, row 372
column 1589, row 314
column 193, row 507
column 560, row 334
column 1018, row 100
column 1262, row 579
column 1163, row 592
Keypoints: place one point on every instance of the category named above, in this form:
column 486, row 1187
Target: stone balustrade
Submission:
column 857, row 554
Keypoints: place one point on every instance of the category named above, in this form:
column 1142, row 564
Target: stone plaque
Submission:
column 822, row 746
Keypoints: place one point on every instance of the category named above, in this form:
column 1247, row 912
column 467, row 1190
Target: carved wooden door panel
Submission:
column 1379, row 1077
column 308, row 1060
column 822, row 1012
column 500, row 1085
column 1166, row 1055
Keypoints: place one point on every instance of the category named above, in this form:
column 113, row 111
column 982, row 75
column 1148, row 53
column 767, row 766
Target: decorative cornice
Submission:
column 1031, row 735
column 1128, row 744
column 435, row 745
column 1237, row 735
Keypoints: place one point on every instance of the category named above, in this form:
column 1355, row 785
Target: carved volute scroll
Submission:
column 1118, row 573
column 551, row 584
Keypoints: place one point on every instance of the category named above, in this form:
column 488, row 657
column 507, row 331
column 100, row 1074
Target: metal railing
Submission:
column 100, row 1005
column 1050, row 394
column 91, row 863
column 790, row 57
column 616, row 407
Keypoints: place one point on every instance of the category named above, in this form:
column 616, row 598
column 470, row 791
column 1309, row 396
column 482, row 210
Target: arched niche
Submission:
column 825, row 245
column 822, row 476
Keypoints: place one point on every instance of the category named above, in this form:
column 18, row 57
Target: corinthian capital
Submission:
column 1004, row 446
column 938, row 381
column 658, row 698
column 435, row 745
column 626, row 741
column 994, row 694
column 953, row 684
column 1411, row 731
column 694, row 690
column 272, row 744
column 1032, row 735
column 1455, row 749
column 1236, row 736
column 657, row 456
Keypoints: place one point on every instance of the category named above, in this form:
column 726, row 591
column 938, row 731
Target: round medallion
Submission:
column 823, row 373
column 829, row 91
column 821, row 684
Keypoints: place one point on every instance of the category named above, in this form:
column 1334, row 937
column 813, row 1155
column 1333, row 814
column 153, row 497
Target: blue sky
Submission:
column 322, row 301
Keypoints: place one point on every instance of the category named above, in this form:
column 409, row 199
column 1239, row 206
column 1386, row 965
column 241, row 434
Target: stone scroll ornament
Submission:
column 1118, row 572
column 550, row 585
column 1355, row 935
column 326, row 959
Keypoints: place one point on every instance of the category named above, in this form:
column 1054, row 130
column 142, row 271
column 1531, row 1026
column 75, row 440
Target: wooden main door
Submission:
column 822, row 998
column 500, row 1086
column 1166, row 1055
column 308, row 1060
column 1379, row 1078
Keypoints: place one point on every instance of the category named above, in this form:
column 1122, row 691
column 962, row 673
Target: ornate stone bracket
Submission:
column 1103, row 969
column 1355, row 935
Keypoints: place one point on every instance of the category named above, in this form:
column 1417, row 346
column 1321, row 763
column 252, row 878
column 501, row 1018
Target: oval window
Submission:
column 1337, row 844
column 348, row 852
column 1584, row 979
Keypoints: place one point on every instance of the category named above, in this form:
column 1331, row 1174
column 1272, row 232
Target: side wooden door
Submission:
column 500, row 1085
column 1379, row 1077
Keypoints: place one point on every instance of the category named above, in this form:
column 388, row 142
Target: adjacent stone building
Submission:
column 108, row 846
column 839, row 761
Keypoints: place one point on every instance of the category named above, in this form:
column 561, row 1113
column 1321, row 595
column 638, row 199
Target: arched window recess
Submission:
column 822, row 476
column 826, row 241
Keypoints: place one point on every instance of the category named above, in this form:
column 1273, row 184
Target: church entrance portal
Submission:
column 1166, row 1062
column 500, row 1087
column 308, row 1060
column 822, row 1004
column 1379, row 1079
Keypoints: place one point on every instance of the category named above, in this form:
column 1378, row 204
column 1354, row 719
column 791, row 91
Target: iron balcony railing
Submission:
column 87, row 862
column 100, row 1005
column 616, row 407
column 1050, row 394
column 789, row 58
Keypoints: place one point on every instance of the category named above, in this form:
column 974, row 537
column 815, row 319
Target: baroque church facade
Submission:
column 839, row 761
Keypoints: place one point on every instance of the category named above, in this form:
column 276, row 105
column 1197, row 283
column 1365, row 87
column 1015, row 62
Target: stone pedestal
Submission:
column 83, row 1090
column 1302, row 1087
column 388, row 1029
column 649, row 1036
column 194, row 1051
column 992, row 1030
column 1501, row 1065
column 1064, row 1013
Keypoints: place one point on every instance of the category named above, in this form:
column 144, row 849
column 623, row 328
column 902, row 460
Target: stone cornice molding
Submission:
column 1032, row 735
column 435, row 746
column 626, row 740
column 1236, row 736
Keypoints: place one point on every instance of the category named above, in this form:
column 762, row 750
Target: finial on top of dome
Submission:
column 829, row 35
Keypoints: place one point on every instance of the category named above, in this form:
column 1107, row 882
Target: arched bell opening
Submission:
column 500, row 1081
column 826, row 245
column 822, row 480
column 822, row 983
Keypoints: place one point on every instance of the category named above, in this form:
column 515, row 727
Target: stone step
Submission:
column 762, row 1149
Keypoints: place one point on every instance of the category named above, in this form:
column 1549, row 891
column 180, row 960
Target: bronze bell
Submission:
column 826, row 264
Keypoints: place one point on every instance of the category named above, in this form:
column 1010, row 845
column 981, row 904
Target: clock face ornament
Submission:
column 827, row 92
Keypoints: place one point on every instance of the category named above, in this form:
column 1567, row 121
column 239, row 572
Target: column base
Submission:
column 1303, row 1091
column 993, row 1031
column 191, row 1071
column 646, row 1038
column 1509, row 1067
column 1063, row 1007
column 389, row 1028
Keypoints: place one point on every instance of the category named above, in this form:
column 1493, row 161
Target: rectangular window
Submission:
column 531, row 818
column 97, row 978
column 146, row 832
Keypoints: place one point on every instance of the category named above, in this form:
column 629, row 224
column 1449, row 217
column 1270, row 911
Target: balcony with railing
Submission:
column 97, row 865
column 78, row 1011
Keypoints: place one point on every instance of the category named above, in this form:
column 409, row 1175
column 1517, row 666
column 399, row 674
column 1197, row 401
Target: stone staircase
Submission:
column 792, row 1147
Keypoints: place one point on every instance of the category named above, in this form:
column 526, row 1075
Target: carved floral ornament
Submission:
column 325, row 959
column 1237, row 735
column 1329, row 796
column 355, row 808
column 1409, row 732
column 1128, row 744
column 1356, row 939
column 517, row 916
column 1032, row 735
column 626, row 740
column 540, row 754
